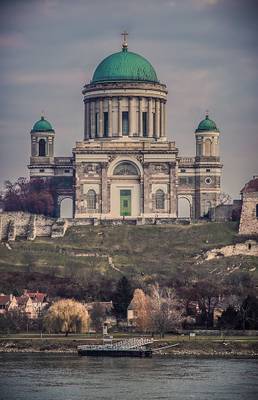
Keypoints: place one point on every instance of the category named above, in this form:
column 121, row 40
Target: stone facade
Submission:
column 125, row 167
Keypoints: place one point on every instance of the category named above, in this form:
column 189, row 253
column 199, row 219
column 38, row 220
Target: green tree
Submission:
column 98, row 316
column 229, row 319
column 249, row 313
column 122, row 297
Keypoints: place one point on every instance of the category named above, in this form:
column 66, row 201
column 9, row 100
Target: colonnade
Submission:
column 105, row 117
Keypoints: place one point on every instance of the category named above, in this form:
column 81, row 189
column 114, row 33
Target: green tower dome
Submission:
column 124, row 66
column 207, row 125
column 42, row 126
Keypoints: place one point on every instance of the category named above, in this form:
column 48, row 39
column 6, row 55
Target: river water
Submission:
column 68, row 377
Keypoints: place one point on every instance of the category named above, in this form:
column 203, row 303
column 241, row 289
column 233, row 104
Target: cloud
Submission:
column 73, row 76
column 13, row 40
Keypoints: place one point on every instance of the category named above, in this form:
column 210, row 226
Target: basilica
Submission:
column 125, row 167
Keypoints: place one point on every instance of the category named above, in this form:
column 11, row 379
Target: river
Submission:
column 44, row 376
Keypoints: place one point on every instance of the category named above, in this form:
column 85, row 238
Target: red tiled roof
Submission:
column 4, row 299
column 36, row 296
column 251, row 186
column 21, row 300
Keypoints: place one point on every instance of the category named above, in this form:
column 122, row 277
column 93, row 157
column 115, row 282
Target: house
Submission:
column 107, row 306
column 7, row 303
column 131, row 314
column 25, row 306
column 39, row 300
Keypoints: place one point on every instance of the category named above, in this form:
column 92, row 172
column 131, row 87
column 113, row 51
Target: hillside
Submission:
column 148, row 253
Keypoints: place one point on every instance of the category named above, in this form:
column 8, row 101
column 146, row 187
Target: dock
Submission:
column 134, row 347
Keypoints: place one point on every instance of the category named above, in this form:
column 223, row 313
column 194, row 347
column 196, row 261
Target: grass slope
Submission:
column 151, row 251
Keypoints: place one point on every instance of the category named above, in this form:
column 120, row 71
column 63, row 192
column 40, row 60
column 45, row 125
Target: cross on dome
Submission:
column 124, row 44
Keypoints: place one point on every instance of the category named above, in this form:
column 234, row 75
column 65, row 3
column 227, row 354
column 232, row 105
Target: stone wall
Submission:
column 29, row 226
column 248, row 248
column 226, row 212
column 249, row 220
column 24, row 225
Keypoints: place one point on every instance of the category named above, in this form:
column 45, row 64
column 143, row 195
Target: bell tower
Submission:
column 42, row 139
column 207, row 167
column 207, row 138
column 42, row 149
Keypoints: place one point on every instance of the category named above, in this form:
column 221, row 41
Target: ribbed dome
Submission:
column 42, row 126
column 207, row 125
column 124, row 66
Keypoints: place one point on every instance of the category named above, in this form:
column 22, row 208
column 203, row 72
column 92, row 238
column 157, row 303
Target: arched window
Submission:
column 91, row 199
column 125, row 168
column 42, row 147
column 207, row 147
column 160, row 200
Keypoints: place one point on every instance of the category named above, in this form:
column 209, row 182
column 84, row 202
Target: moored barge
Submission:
column 134, row 347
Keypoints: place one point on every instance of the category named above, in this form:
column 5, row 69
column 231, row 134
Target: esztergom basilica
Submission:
column 125, row 166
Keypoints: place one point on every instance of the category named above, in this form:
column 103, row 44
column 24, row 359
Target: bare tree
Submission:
column 141, row 304
column 67, row 316
column 166, row 310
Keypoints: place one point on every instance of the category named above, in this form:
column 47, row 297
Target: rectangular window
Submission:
column 41, row 170
column 105, row 124
column 154, row 124
column 256, row 210
column 67, row 171
column 144, row 124
column 125, row 124
column 208, row 170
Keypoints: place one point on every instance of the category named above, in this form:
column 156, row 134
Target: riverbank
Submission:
column 193, row 348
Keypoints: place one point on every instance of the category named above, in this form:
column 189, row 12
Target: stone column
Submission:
column 161, row 118
column 101, row 124
column 142, row 195
column 92, row 119
column 87, row 120
column 165, row 119
column 150, row 118
column 140, row 116
column 157, row 118
column 172, row 190
column 131, row 116
column 146, row 187
column 120, row 134
column 110, row 117
column 104, row 191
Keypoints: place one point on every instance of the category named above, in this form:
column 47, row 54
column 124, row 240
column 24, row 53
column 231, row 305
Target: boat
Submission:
column 134, row 347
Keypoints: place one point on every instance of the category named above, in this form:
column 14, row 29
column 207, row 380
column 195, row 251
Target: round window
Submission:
column 208, row 180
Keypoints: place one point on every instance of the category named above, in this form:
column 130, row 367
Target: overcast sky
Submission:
column 205, row 51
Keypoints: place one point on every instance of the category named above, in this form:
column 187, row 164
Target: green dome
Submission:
column 124, row 66
column 42, row 126
column 207, row 125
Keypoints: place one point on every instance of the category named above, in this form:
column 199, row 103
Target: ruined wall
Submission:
column 249, row 217
column 24, row 225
